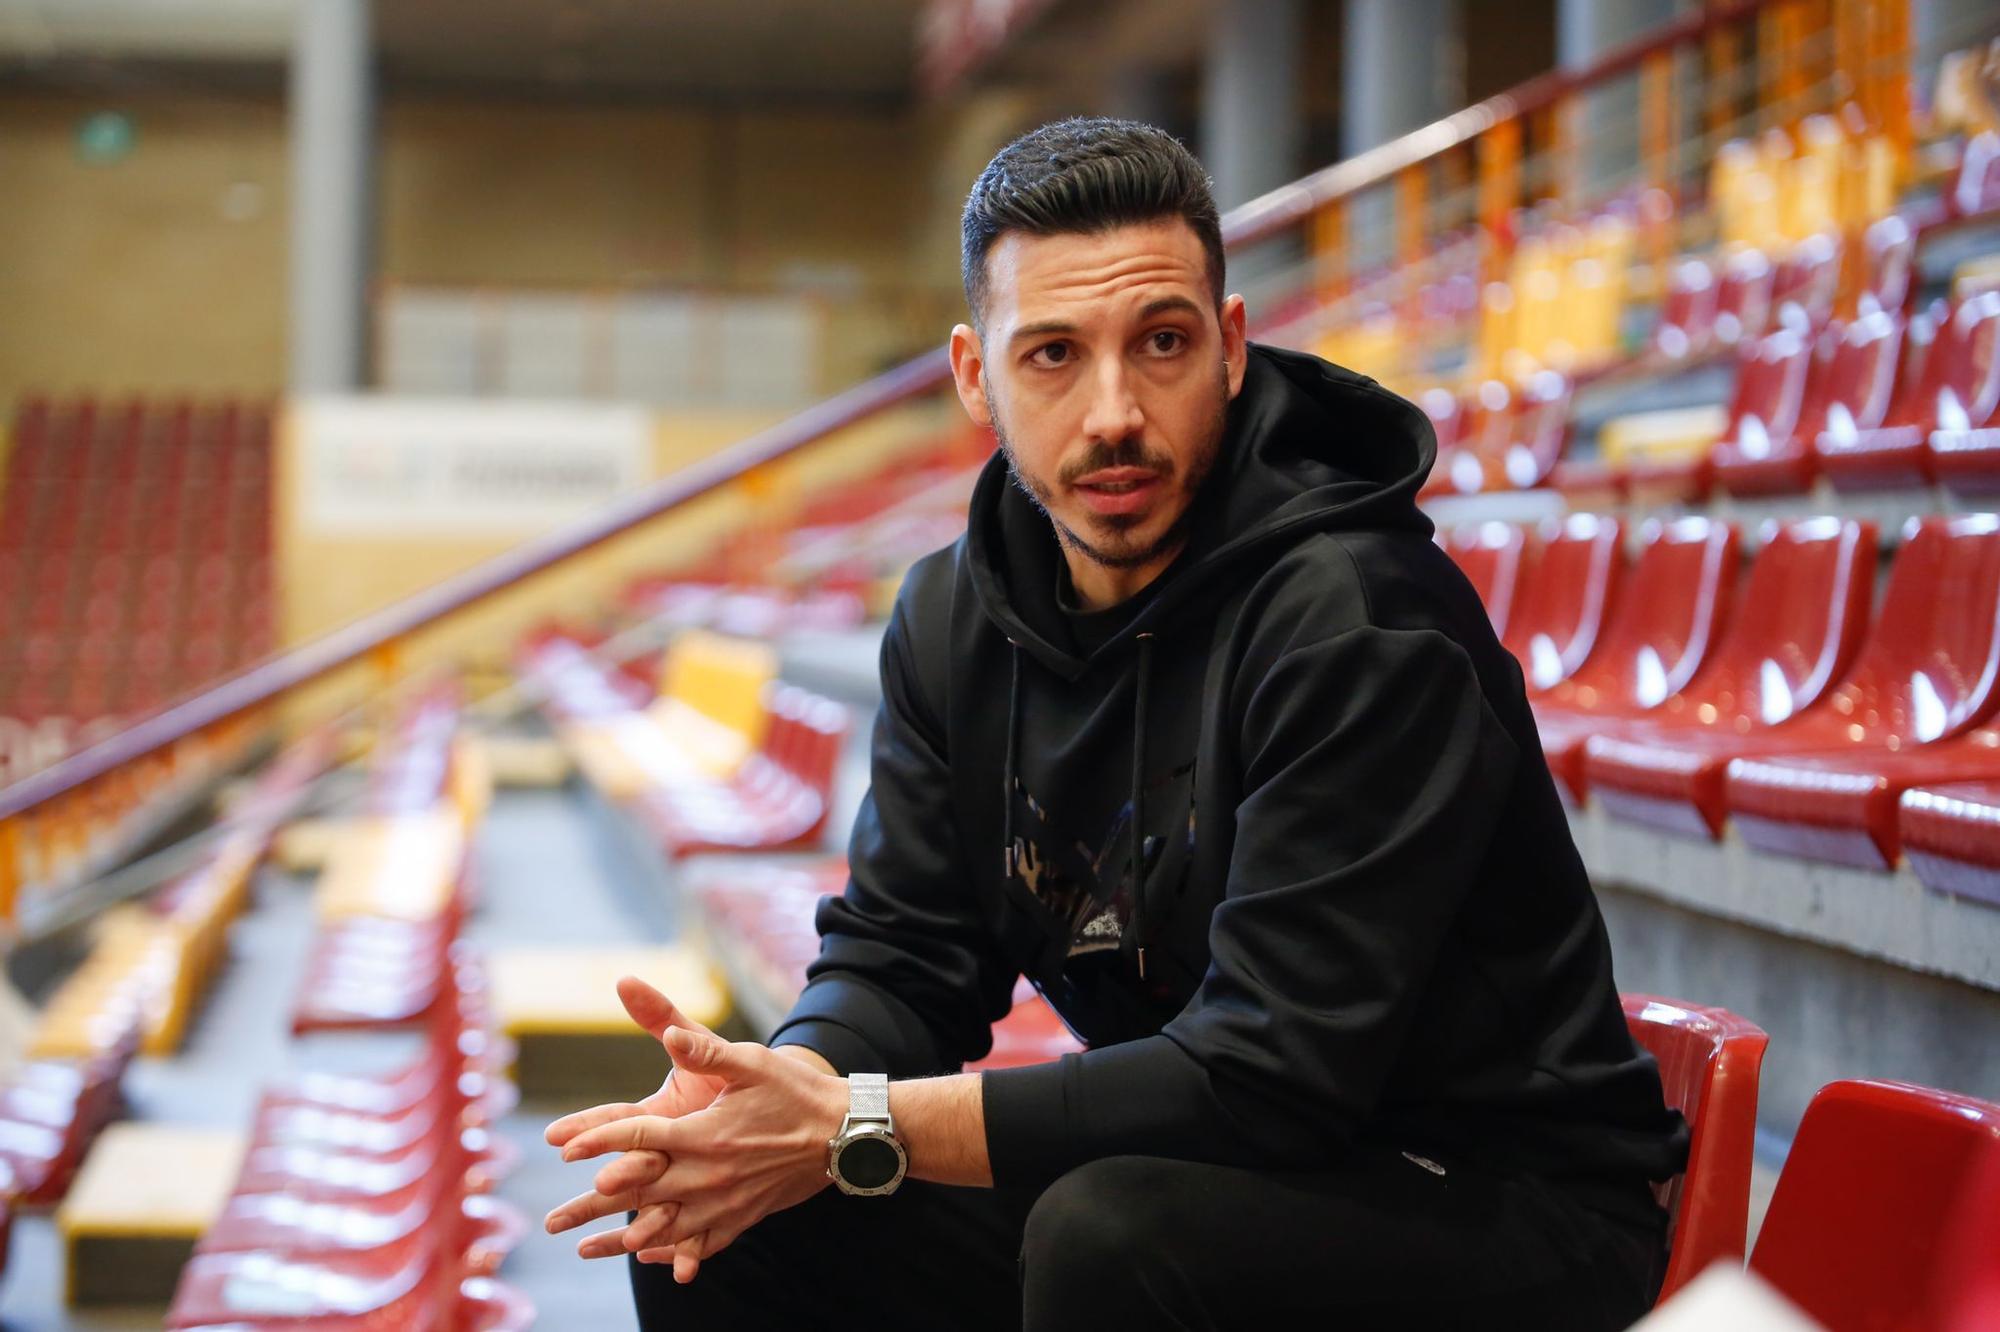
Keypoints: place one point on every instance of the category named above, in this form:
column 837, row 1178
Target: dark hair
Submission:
column 1085, row 174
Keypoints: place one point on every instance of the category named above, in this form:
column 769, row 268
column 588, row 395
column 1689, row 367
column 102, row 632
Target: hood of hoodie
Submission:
column 1307, row 447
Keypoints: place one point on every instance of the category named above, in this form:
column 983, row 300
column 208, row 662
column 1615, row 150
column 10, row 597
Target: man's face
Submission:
column 1106, row 371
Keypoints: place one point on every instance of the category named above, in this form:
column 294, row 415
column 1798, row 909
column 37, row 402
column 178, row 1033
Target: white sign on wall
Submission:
column 417, row 467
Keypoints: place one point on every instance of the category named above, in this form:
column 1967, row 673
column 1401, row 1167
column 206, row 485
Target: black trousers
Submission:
column 1382, row 1242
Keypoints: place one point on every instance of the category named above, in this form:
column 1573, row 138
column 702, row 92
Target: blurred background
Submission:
column 455, row 459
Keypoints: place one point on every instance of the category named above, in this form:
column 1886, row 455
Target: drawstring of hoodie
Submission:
column 1013, row 753
column 1139, row 794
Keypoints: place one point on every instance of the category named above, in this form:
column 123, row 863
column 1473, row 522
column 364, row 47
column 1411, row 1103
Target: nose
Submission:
column 1114, row 413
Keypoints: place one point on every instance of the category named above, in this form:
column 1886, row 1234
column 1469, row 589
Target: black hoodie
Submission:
column 1361, row 915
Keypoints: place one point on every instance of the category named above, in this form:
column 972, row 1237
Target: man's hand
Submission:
column 683, row 1092
column 758, row 1147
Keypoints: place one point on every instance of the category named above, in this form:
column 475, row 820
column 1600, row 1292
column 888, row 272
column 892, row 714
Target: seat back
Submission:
column 1854, row 379
column 1709, row 1060
column 1687, row 315
column 1771, row 376
column 1801, row 619
column 1485, row 430
column 1539, row 430
column 1864, row 1205
column 1494, row 557
column 1967, row 357
column 1931, row 664
column 1674, row 606
column 1743, row 297
column 1809, row 277
column 1892, row 251
column 1563, row 607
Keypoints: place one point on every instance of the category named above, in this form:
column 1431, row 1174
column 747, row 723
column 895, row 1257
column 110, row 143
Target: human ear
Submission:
column 968, row 362
column 1235, row 320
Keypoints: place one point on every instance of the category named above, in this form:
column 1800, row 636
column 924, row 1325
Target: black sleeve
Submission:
column 908, row 981
column 1374, row 773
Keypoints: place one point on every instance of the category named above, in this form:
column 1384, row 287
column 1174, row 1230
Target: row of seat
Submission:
column 366, row 1202
column 396, row 885
column 696, row 769
column 135, row 553
column 1679, row 699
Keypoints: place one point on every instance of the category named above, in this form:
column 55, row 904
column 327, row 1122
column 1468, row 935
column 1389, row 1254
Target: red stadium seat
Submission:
column 1563, row 609
column 1849, row 380
column 1709, row 1062
column 1958, row 391
column 1891, row 246
column 1512, row 440
column 1743, row 302
column 1809, row 277
column 1841, row 805
column 1687, row 314
column 1951, row 835
column 1671, row 613
column 1494, row 557
column 1771, row 373
column 1865, row 1206
column 1801, row 622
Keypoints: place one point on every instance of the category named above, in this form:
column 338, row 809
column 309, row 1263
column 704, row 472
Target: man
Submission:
column 1356, row 1055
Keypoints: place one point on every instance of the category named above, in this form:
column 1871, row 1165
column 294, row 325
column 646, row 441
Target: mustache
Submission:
column 1102, row 455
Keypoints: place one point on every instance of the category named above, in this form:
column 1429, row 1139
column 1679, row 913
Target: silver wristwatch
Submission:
column 866, row 1157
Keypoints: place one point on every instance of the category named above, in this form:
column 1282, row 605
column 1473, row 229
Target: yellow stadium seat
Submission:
column 400, row 866
column 722, row 678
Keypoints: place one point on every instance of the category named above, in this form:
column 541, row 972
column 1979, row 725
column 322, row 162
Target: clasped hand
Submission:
column 735, row 1133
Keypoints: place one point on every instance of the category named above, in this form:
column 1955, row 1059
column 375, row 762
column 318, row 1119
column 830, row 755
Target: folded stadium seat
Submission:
column 1512, row 439
column 1862, row 1220
column 1494, row 557
column 1771, row 374
column 1686, row 325
column 1709, row 1062
column 1958, row 391
column 1743, row 303
column 1671, row 613
column 776, row 800
column 1849, row 378
column 1846, row 807
column 1562, row 611
column 1809, row 277
column 1890, row 245
column 1976, row 191
column 1923, row 675
column 1951, row 836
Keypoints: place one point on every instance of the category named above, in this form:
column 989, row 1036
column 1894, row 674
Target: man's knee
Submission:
column 1099, row 1222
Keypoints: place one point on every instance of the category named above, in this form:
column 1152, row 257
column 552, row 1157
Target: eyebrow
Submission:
column 1151, row 310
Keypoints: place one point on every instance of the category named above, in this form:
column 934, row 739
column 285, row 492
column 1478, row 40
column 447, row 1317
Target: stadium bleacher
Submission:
column 1684, row 431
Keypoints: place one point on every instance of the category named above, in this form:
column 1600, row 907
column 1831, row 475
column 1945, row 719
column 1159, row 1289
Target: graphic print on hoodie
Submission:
column 1381, row 930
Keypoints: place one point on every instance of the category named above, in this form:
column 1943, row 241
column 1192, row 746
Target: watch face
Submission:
column 868, row 1162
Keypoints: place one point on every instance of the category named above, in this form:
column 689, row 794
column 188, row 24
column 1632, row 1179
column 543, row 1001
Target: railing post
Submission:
column 1891, row 74
column 12, row 870
column 1724, row 69
column 1499, row 158
column 1329, row 249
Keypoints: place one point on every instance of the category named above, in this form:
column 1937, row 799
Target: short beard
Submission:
column 1128, row 452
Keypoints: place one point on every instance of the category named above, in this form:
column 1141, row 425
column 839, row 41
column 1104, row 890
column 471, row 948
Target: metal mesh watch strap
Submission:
column 868, row 1096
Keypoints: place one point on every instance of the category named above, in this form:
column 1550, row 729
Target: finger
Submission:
column 652, row 1010
column 705, row 1052
column 562, row 1130
column 687, row 1259
column 640, row 1133
column 604, row 1244
column 654, row 1224
column 660, row 1253
column 633, row 1170
column 586, row 1207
